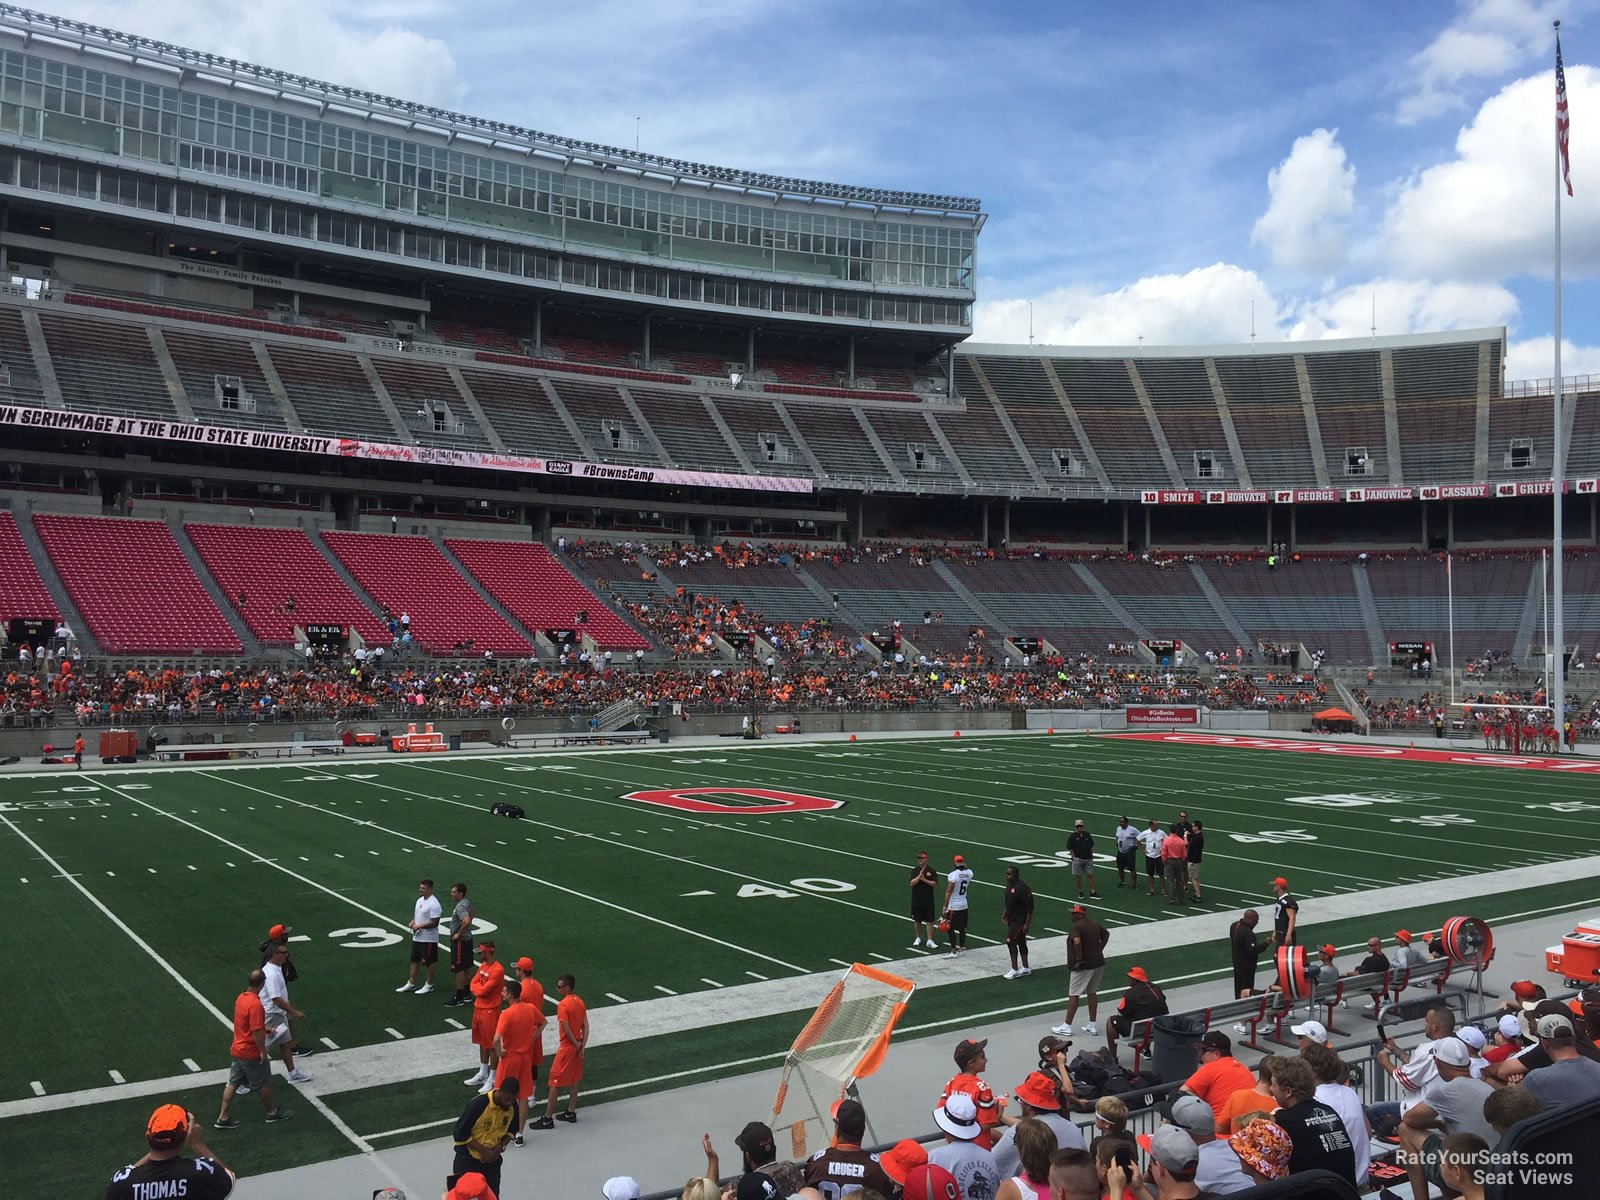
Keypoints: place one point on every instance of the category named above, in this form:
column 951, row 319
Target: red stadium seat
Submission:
column 411, row 576
column 540, row 592
column 133, row 586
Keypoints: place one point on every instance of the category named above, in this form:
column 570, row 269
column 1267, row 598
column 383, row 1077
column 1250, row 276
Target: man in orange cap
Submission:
column 1039, row 1097
column 532, row 994
column 164, row 1171
column 471, row 1186
column 899, row 1159
column 1140, row 1002
column 1285, row 914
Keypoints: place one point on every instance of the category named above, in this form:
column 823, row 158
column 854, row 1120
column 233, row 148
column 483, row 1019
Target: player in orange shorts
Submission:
column 488, row 986
column 520, row 1028
column 572, row 1021
column 533, row 993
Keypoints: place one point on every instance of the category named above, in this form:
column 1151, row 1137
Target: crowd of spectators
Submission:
column 1228, row 1128
column 828, row 680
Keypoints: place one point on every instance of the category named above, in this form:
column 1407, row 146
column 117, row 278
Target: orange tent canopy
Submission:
column 1333, row 714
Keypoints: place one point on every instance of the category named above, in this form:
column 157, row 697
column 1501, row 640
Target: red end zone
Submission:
column 1348, row 750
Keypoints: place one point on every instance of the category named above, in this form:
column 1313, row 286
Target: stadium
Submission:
column 371, row 466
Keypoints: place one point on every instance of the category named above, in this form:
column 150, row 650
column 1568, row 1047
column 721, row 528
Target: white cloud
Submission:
column 360, row 46
column 1401, row 306
column 1487, row 39
column 1208, row 304
column 1534, row 358
column 1213, row 305
column 1488, row 212
column 1310, row 193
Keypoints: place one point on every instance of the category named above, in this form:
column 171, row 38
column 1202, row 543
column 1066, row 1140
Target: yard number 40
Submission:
column 1275, row 836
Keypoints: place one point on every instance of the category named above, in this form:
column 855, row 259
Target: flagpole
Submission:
column 1450, row 608
column 1558, row 687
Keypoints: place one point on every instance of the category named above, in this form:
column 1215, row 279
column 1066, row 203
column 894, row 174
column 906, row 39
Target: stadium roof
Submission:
column 1402, row 341
column 411, row 114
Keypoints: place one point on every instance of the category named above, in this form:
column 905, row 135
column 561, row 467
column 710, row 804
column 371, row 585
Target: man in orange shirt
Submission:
column 488, row 986
column 1220, row 1074
column 519, row 1029
column 77, row 751
column 248, row 1062
column 572, row 1023
column 533, row 994
column 970, row 1059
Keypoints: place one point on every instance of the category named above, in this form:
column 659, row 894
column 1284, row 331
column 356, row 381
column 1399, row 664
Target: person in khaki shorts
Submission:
column 1086, row 960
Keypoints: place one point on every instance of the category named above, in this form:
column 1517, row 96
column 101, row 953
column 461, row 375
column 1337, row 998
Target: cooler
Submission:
column 1577, row 959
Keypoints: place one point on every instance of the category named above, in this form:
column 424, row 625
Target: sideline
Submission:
column 420, row 1058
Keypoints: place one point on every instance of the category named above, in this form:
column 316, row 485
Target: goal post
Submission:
column 844, row 1041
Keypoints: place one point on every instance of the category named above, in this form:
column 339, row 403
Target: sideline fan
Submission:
column 165, row 1170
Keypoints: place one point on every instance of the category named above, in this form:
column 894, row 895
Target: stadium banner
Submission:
column 1453, row 491
column 1179, row 496
column 338, row 447
column 1535, row 487
column 1153, row 714
column 1237, row 497
column 1362, row 494
column 1306, row 496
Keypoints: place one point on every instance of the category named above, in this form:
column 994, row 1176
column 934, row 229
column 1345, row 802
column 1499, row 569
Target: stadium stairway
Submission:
column 460, row 569
column 991, row 621
column 49, row 383
column 825, row 602
column 349, row 580
column 1369, row 617
column 247, row 639
column 1229, row 621
column 1099, row 589
column 58, row 590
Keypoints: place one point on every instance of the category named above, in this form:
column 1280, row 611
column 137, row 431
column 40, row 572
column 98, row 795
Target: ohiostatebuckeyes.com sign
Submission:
column 1161, row 714
column 340, row 447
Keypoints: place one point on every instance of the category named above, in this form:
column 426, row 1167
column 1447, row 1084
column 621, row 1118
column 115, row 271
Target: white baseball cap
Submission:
column 1473, row 1037
column 1315, row 1030
column 1510, row 1027
column 620, row 1187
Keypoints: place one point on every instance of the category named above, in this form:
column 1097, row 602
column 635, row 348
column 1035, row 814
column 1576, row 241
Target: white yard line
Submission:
column 494, row 866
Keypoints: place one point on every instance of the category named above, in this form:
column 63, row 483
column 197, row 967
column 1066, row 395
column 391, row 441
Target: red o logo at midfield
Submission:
column 698, row 800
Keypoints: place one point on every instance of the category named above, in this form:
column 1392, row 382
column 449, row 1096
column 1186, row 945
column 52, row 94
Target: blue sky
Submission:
column 1150, row 176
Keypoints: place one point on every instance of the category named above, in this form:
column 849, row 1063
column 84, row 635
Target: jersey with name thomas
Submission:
column 171, row 1179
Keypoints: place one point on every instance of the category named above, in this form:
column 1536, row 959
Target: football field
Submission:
column 666, row 880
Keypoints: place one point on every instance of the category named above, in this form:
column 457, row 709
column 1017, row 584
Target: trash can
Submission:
column 663, row 735
column 1172, row 1045
column 455, row 741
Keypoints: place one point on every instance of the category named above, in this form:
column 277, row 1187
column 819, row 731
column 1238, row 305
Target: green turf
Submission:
column 197, row 864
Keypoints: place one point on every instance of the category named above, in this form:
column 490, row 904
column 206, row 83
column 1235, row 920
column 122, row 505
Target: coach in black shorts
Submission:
column 461, row 963
column 922, row 884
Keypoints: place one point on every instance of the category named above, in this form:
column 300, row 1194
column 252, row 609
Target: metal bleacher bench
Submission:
column 532, row 741
column 1267, row 1014
column 201, row 751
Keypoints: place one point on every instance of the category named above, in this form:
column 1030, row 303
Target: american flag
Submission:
column 1563, row 121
